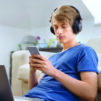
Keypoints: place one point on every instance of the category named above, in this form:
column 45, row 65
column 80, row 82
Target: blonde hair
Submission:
column 65, row 14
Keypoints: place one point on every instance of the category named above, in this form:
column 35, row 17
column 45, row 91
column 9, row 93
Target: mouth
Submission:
column 60, row 37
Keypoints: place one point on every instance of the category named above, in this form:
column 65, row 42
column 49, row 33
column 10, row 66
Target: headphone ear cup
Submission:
column 77, row 26
column 52, row 30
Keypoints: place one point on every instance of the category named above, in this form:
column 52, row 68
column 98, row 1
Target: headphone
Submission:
column 77, row 25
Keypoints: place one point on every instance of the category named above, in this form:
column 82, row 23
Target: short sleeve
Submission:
column 87, row 60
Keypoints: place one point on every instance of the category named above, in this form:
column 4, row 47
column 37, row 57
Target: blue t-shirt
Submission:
column 77, row 59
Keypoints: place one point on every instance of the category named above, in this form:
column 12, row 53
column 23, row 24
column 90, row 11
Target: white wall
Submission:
column 89, row 31
column 9, row 39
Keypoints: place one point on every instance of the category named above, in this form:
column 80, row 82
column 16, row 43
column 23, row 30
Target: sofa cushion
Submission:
column 23, row 72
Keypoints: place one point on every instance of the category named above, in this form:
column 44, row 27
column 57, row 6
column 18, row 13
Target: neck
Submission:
column 70, row 44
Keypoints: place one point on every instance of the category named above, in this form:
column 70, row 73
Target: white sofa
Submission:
column 20, row 69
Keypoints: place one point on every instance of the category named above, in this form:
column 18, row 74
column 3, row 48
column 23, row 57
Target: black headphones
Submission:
column 77, row 26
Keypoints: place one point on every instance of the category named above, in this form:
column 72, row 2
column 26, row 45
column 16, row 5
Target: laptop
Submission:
column 5, row 89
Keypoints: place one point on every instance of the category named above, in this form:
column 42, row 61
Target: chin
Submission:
column 61, row 41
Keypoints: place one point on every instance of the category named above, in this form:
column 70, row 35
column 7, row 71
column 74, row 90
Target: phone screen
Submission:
column 33, row 50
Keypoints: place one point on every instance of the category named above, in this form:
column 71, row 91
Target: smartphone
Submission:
column 33, row 50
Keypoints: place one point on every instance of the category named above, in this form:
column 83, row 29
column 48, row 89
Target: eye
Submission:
column 55, row 27
column 64, row 26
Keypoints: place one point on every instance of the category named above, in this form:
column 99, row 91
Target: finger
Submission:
column 37, row 57
column 31, row 56
column 37, row 65
column 40, row 57
column 34, row 67
column 37, row 61
column 30, row 59
column 29, row 62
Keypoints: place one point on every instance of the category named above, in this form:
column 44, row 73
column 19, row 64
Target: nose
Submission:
column 59, row 31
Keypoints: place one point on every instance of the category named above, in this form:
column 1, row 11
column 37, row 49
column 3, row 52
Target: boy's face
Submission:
column 63, row 31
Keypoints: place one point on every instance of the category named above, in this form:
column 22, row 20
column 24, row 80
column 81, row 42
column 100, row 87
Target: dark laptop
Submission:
column 5, row 89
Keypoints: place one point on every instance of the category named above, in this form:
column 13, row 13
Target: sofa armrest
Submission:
column 18, row 58
column 99, row 71
column 99, row 82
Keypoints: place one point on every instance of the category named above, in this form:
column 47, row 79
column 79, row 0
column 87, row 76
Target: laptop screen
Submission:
column 5, row 89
